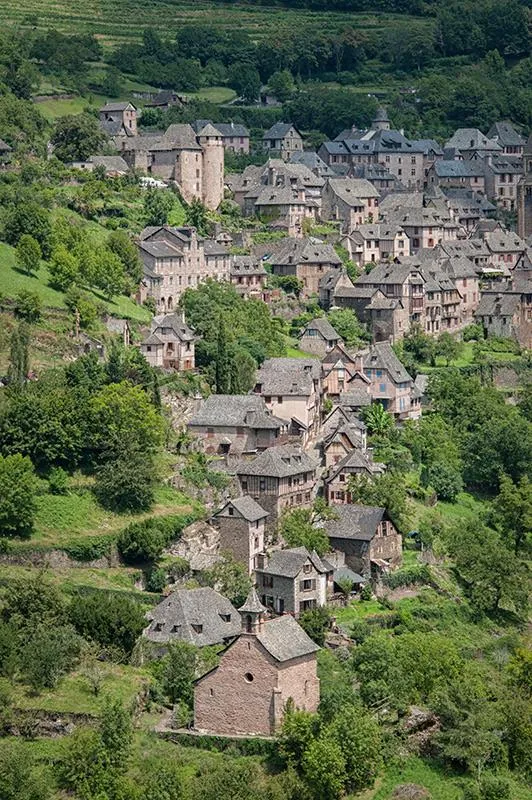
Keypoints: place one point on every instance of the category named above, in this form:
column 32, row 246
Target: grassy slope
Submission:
column 115, row 21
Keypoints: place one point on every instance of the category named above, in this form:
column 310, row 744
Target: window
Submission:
column 382, row 387
column 341, row 477
column 307, row 567
column 225, row 617
column 248, row 677
column 307, row 585
column 148, row 348
column 413, row 173
column 158, row 626
column 262, row 484
column 378, row 373
column 244, row 486
column 211, row 692
column 197, row 628
column 279, row 400
column 267, row 580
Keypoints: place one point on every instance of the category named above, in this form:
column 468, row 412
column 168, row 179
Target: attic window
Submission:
column 176, row 628
column 158, row 626
column 197, row 628
column 225, row 617
column 231, row 511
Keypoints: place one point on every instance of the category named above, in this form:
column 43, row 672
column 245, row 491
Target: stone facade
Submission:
column 291, row 588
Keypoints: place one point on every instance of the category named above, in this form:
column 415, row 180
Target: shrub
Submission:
column 145, row 541
column 157, row 580
column 126, row 484
column 446, row 481
column 110, row 620
column 28, row 306
column 90, row 549
column 58, row 481
column 419, row 573
column 316, row 622
column 366, row 593
column 50, row 653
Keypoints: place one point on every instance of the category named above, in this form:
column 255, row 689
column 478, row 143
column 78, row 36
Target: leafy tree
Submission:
column 157, row 206
column 177, row 672
column 18, row 778
column 28, row 306
column 83, row 767
column 512, row 511
column 378, row 421
column 33, row 601
column 28, row 254
column 18, row 356
column 162, row 780
column 245, row 80
column 324, row 768
column 116, row 733
column 142, row 541
column 49, row 654
column 446, row 481
column 346, row 324
column 448, row 347
column 17, row 496
column 281, row 84
column 109, row 274
column 222, row 373
column 107, row 619
column 126, row 482
column 491, row 574
column 81, row 306
column 290, row 284
column 387, row 491
column 298, row 730
column 196, row 217
column 297, row 528
column 30, row 219
column 119, row 243
column 63, row 268
column 316, row 622
column 76, row 137
column 358, row 736
column 230, row 579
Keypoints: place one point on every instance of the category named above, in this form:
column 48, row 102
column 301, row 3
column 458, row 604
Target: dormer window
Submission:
column 158, row 626
column 225, row 617
column 197, row 628
column 231, row 511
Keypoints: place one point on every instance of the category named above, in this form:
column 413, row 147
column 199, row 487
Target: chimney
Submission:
column 272, row 176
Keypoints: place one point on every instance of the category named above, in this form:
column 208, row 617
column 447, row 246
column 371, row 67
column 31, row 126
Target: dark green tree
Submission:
column 76, row 137
column 17, row 496
column 110, row 620
column 18, row 356
column 28, row 254
column 223, row 366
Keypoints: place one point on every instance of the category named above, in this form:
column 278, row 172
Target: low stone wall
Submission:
column 57, row 559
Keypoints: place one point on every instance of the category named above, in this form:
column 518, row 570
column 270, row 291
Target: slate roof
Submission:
column 471, row 139
column 502, row 165
column 252, row 603
column 504, row 242
column 4, row 147
column 176, row 323
column 353, row 522
column 173, row 619
column 279, row 130
column 110, row 163
column 248, row 508
column 289, row 563
column 400, row 201
column 229, row 129
column 346, row 574
column 324, row 327
column 387, row 274
column 235, row 410
column 118, row 106
column 458, row 169
column 304, row 251
column 278, row 462
column 352, row 190
column 278, row 196
column 428, row 145
column 160, row 249
column 355, row 398
column 246, row 265
column 505, row 134
column 312, row 161
column 382, row 356
column 356, row 459
column 285, row 639
column 497, row 304
column 288, row 376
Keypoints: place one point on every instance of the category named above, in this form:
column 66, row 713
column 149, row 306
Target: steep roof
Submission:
column 355, row 459
column 504, row 241
column 110, row 163
column 278, row 462
column 352, row 190
column 285, row 639
column 471, row 139
column 312, row 161
column 235, row 410
column 354, row 522
column 279, row 130
column 199, row 616
column 288, row 376
column 117, row 106
column 248, row 508
column 253, row 603
column 497, row 304
column 382, row 356
column 175, row 322
column 304, row 251
column 458, row 169
column 289, row 563
column 505, row 134
column 324, row 327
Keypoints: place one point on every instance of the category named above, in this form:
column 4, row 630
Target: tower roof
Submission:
column 253, row 604
column 209, row 130
column 381, row 115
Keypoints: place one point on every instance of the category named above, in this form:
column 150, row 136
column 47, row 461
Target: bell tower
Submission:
column 252, row 614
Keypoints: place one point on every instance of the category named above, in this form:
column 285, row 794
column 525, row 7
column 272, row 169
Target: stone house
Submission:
column 346, row 437
column 475, row 249
column 307, row 259
column 457, row 174
column 465, row 277
column 508, row 313
column 376, row 242
column 269, row 663
column 292, row 390
column 402, row 281
column 241, row 524
column 119, row 327
column 282, row 139
column 442, row 300
column 113, row 166
column 524, row 194
column 502, row 174
column 336, row 481
column 470, row 143
column 230, row 424
column 505, row 248
column 177, row 258
column 248, row 276
column 235, row 136
column 340, row 416
column 391, row 385
column 170, row 343
column 291, row 581
column 330, row 284
column 424, row 227
column 194, row 161
column 279, row 479
column 284, row 207
column 506, row 136
column 337, row 368
column 353, row 201
column 198, row 616
column 164, row 100
column 119, row 119
column 319, row 337
column 367, row 537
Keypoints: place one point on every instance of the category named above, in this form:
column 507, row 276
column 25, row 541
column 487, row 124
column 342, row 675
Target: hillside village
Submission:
column 265, row 450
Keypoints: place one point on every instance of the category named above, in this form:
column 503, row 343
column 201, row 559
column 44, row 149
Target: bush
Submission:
column 157, row 580
column 58, row 481
column 28, row 306
column 446, row 481
column 90, row 549
column 316, row 622
column 109, row 619
column 366, row 593
column 144, row 541
column 49, row 654
column 408, row 576
column 17, row 496
column 126, row 484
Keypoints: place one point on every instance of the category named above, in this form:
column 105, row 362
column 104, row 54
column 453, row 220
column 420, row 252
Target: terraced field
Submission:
column 114, row 21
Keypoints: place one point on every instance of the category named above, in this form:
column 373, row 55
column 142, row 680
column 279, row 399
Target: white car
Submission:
column 152, row 183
